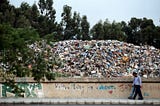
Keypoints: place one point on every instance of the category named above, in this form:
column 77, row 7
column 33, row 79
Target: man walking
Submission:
column 137, row 82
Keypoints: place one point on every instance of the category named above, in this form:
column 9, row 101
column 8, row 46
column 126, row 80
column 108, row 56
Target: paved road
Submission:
column 66, row 105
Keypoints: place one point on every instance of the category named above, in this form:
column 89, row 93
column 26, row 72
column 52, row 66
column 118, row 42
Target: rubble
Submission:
column 107, row 58
column 103, row 58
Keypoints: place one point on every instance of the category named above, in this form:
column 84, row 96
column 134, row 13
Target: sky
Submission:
column 95, row 10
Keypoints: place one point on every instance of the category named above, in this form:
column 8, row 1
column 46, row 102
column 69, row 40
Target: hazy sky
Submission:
column 117, row 10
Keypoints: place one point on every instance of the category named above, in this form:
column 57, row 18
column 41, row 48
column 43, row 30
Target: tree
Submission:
column 85, row 28
column 141, row 31
column 46, row 20
column 25, row 10
column 16, row 56
column 42, row 6
column 22, row 22
column 4, row 4
column 107, row 29
column 5, row 36
column 127, row 31
column 7, row 14
column 59, row 34
column 147, row 31
column 34, row 17
column 67, row 22
column 156, row 41
column 22, row 16
column 13, row 48
column 134, row 24
column 147, row 22
column 76, row 26
column 116, row 32
column 97, row 32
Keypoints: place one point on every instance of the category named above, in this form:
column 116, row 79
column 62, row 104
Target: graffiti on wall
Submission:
column 124, row 87
column 30, row 90
column 109, row 88
column 105, row 87
column 78, row 89
column 61, row 86
column 74, row 86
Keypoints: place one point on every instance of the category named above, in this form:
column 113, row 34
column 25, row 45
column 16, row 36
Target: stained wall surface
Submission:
column 80, row 89
column 98, row 90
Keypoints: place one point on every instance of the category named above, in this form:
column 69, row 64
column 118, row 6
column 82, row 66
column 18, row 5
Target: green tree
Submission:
column 4, row 5
column 67, row 22
column 147, row 31
column 97, row 32
column 22, row 16
column 42, row 6
column 46, row 20
column 85, row 28
column 107, row 29
column 7, row 14
column 25, row 9
column 156, row 41
column 59, row 32
column 141, row 31
column 126, row 30
column 76, row 26
column 22, row 22
column 34, row 17
column 6, row 36
column 134, row 24
column 117, row 32
column 13, row 46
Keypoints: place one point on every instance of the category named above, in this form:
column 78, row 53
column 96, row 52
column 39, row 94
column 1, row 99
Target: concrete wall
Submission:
column 97, row 90
column 81, row 89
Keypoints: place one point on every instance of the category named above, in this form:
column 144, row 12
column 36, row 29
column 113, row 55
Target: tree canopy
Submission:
column 42, row 18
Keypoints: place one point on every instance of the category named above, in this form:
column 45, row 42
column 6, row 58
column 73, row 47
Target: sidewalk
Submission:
column 76, row 101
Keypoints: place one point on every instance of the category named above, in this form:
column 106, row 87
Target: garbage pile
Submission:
column 105, row 58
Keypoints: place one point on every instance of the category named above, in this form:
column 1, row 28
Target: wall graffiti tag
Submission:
column 109, row 88
column 30, row 90
column 105, row 87
column 73, row 86
column 124, row 87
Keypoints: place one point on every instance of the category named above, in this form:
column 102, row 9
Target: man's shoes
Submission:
column 130, row 97
column 140, row 98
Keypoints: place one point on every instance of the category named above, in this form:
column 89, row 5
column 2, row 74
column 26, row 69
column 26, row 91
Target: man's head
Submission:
column 134, row 73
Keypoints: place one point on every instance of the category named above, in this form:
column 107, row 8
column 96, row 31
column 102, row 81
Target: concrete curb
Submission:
column 77, row 101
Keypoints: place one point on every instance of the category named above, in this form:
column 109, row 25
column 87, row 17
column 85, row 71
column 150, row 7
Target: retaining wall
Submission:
column 81, row 88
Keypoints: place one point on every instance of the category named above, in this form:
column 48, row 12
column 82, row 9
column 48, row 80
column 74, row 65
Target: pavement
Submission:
column 80, row 101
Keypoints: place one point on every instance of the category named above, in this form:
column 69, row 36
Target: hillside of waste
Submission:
column 103, row 58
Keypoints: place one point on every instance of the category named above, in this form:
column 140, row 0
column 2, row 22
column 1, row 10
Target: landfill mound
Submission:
column 101, row 59
column 106, row 59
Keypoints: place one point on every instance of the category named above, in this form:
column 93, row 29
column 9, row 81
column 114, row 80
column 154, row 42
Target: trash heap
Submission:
column 106, row 58
column 101, row 59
